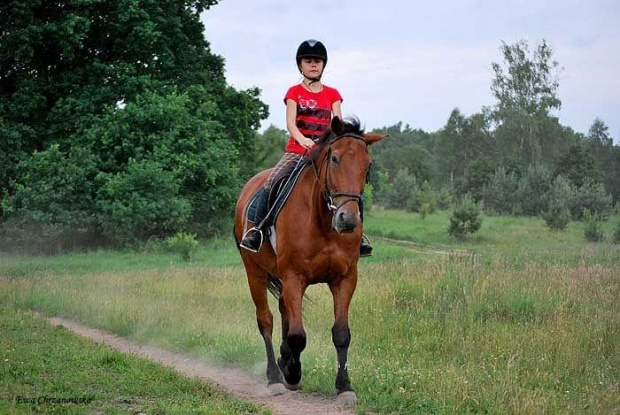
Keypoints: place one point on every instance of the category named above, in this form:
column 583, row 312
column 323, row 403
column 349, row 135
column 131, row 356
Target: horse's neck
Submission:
column 317, row 206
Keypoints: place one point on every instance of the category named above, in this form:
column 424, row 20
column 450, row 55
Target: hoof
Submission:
column 294, row 387
column 276, row 389
column 346, row 398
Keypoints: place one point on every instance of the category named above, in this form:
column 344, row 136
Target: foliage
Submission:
column 526, row 91
column 142, row 202
column 578, row 165
column 593, row 197
column 476, row 177
column 53, row 200
column 466, row 218
column 533, row 190
column 131, row 86
column 401, row 190
column 557, row 217
column 500, row 194
column 592, row 231
column 606, row 155
column 269, row 148
column 461, row 141
column 369, row 198
column 183, row 243
column 616, row 237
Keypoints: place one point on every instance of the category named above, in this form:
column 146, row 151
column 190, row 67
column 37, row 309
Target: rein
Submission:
column 330, row 194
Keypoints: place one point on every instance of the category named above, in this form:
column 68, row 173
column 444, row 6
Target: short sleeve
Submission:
column 336, row 96
column 290, row 94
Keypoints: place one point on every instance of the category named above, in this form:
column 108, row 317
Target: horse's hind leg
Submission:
column 257, row 280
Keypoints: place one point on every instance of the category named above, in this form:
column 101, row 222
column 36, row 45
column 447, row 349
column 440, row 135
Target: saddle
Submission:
column 258, row 210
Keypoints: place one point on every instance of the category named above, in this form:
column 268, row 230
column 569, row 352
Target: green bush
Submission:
column 557, row 217
column 616, row 239
column 500, row 193
column 466, row 217
column 533, row 191
column 141, row 203
column 183, row 243
column 424, row 210
column 53, row 200
column 593, row 231
column 593, row 197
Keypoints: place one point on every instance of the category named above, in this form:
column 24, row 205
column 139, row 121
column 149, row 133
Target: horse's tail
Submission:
column 274, row 285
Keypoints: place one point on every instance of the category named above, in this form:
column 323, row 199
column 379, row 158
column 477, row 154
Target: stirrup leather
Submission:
column 260, row 245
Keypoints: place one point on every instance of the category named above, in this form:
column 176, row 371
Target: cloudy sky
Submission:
column 414, row 61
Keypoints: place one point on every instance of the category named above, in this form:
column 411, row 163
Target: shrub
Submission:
column 557, row 217
column 592, row 231
column 444, row 198
column 466, row 218
column 183, row 243
column 616, row 239
column 368, row 198
column 141, row 203
column 593, row 197
column 500, row 193
column 533, row 191
column 402, row 188
column 424, row 210
column 53, row 200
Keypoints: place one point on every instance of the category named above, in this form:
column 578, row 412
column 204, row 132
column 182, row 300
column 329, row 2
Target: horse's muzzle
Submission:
column 345, row 221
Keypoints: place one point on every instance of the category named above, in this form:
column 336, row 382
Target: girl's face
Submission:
column 312, row 67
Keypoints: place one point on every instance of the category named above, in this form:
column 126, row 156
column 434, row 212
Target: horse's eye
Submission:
column 335, row 159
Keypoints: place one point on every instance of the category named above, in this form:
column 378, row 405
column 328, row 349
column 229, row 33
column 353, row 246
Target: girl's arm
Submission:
column 291, row 113
column 337, row 109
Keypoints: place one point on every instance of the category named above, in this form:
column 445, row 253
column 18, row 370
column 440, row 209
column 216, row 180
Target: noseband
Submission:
column 330, row 194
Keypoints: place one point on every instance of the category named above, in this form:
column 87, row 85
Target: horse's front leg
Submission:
column 293, row 333
column 342, row 291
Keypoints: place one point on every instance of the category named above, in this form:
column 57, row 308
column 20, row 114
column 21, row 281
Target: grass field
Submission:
column 528, row 321
column 48, row 369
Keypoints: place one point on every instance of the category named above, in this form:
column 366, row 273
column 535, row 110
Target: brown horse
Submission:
column 317, row 240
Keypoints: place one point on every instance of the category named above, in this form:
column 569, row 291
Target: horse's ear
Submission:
column 337, row 126
column 372, row 138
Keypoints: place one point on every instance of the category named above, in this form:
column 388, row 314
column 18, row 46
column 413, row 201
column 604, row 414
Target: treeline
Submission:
column 117, row 126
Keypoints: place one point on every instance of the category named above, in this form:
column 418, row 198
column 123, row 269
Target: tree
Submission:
column 578, row 165
column 526, row 92
column 269, row 148
column 605, row 154
column 134, row 82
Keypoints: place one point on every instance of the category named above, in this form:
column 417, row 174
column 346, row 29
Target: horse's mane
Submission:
column 351, row 125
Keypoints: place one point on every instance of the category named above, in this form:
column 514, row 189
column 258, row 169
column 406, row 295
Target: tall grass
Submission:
column 509, row 330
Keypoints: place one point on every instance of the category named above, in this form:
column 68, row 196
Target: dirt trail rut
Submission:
column 234, row 382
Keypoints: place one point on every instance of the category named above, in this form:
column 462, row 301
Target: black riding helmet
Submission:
column 311, row 49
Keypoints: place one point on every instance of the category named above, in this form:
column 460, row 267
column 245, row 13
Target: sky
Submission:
column 414, row 61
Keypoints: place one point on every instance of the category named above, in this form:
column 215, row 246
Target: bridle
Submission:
column 329, row 194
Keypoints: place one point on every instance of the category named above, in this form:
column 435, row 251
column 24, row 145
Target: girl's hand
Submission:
column 305, row 142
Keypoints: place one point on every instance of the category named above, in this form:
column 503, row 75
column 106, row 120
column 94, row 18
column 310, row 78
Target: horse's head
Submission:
column 343, row 171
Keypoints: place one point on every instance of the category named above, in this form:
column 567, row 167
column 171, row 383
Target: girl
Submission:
column 310, row 106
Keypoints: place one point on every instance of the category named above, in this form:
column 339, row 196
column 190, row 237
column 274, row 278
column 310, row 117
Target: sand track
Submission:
column 234, row 382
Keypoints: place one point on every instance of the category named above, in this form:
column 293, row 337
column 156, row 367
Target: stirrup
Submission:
column 249, row 248
column 365, row 242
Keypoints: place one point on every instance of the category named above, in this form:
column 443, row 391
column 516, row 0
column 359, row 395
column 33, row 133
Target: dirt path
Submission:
column 234, row 382
column 424, row 249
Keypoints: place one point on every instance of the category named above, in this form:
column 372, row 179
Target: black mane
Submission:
column 351, row 125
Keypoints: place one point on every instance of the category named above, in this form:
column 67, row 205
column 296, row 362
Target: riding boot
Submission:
column 254, row 237
column 365, row 247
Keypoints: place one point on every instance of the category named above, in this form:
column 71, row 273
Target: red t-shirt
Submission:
column 314, row 113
